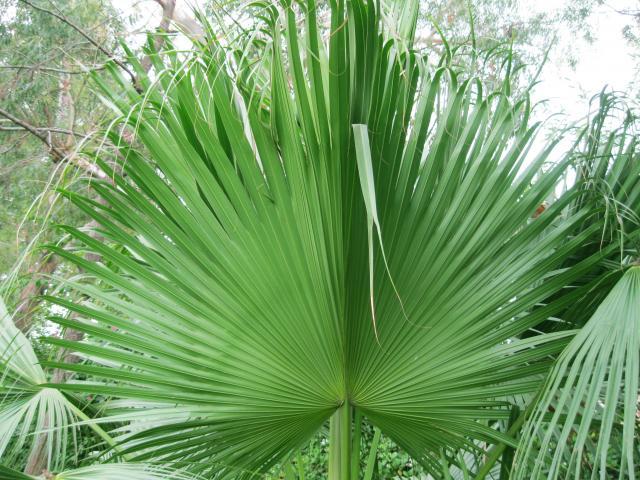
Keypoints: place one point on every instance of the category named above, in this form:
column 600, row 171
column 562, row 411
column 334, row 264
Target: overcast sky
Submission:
column 606, row 61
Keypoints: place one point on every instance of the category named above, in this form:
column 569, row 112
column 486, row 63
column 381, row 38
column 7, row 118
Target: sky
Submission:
column 607, row 61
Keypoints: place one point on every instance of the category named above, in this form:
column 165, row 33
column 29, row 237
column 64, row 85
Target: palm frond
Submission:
column 590, row 399
column 607, row 172
column 128, row 471
column 239, row 277
column 32, row 416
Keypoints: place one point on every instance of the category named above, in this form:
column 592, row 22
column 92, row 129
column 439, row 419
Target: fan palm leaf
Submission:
column 32, row 416
column 594, row 383
column 129, row 471
column 359, row 234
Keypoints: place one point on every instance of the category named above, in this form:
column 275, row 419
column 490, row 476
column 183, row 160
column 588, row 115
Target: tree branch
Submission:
column 43, row 129
column 52, row 69
column 168, row 9
column 58, row 154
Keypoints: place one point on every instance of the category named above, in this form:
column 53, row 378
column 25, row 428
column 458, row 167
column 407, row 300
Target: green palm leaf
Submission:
column 607, row 171
column 593, row 385
column 130, row 471
column 32, row 416
column 239, row 276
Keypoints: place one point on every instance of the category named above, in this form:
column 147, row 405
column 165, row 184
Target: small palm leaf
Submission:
column 130, row 471
column 31, row 415
column 593, row 386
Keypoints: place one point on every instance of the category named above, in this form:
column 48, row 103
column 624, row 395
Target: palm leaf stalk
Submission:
column 339, row 228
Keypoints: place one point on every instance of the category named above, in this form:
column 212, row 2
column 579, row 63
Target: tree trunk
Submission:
column 38, row 461
column 168, row 9
column 28, row 301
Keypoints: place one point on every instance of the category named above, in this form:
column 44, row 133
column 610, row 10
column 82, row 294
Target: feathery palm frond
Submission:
column 608, row 181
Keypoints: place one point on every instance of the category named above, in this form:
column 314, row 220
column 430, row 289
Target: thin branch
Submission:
column 58, row 155
column 51, row 69
column 627, row 12
column 90, row 39
column 10, row 147
column 43, row 129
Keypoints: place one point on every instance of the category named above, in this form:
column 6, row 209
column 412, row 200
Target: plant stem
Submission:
column 340, row 444
column 300, row 464
column 355, row 449
column 371, row 461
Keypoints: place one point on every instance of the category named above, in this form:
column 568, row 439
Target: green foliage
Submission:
column 596, row 378
column 36, row 49
column 26, row 406
column 391, row 461
column 308, row 226
column 251, row 296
